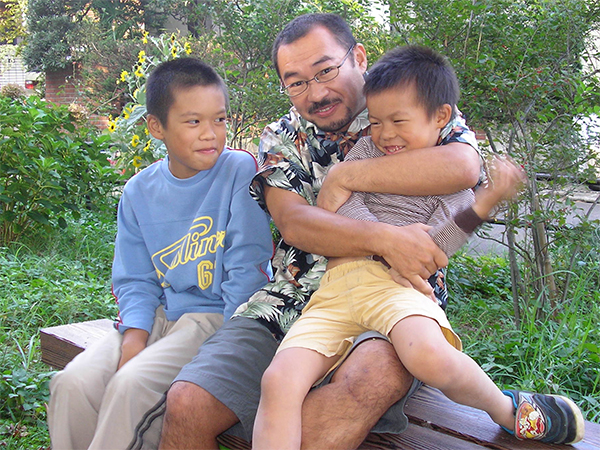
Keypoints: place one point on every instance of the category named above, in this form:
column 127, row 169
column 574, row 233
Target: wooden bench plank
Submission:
column 429, row 407
column 60, row 344
column 436, row 422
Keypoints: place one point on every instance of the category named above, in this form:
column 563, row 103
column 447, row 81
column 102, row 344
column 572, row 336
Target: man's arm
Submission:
column 429, row 171
column 410, row 250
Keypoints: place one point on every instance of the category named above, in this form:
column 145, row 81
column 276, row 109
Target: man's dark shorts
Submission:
column 230, row 364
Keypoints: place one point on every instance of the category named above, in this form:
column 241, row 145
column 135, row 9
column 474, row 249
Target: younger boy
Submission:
column 192, row 245
column 411, row 96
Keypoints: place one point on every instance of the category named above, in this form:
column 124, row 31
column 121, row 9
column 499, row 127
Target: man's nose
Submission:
column 316, row 91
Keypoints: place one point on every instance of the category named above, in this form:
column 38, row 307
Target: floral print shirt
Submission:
column 295, row 155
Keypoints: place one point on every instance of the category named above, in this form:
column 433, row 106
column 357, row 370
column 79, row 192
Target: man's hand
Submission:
column 413, row 255
column 134, row 341
column 332, row 194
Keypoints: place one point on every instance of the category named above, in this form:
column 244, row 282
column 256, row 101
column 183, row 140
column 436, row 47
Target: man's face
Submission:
column 195, row 131
column 332, row 105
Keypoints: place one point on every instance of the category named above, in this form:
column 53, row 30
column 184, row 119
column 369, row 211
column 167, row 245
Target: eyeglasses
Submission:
column 322, row 76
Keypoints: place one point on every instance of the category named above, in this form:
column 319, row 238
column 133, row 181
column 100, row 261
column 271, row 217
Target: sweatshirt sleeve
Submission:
column 249, row 245
column 453, row 221
column 135, row 283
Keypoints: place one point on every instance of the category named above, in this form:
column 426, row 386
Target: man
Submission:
column 321, row 68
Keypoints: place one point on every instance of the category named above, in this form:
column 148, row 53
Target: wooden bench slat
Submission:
column 429, row 406
column 60, row 344
column 416, row 438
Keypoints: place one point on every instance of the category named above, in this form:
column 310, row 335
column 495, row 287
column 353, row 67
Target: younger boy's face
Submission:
column 195, row 131
column 399, row 123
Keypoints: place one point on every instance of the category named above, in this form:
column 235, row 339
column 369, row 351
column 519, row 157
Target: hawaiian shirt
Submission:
column 295, row 155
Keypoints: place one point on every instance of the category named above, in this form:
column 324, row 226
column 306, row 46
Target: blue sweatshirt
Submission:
column 200, row 244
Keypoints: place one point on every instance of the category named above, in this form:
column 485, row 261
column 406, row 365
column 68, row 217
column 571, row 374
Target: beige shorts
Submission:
column 355, row 297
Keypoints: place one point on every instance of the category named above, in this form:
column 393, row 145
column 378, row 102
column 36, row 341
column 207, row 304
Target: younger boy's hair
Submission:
column 179, row 73
column 433, row 77
column 304, row 24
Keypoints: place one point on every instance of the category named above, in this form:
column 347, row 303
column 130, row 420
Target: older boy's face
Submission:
column 195, row 131
column 333, row 105
column 400, row 123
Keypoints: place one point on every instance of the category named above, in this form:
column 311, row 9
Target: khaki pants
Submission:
column 93, row 406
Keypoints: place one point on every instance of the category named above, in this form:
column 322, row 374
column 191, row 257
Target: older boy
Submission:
column 191, row 246
column 411, row 98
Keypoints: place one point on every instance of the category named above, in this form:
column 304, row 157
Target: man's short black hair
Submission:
column 433, row 76
column 178, row 74
column 302, row 25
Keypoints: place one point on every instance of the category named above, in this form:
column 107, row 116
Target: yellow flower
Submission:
column 137, row 161
column 142, row 56
column 147, row 146
column 174, row 51
column 145, row 37
column 146, row 131
column 139, row 72
column 188, row 48
column 172, row 38
column 112, row 126
column 135, row 140
column 126, row 113
column 124, row 75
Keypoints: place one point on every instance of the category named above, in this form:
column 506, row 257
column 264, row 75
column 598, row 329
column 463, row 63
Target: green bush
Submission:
column 50, row 167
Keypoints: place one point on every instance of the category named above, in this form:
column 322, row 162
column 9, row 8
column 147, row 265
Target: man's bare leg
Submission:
column 341, row 414
column 194, row 418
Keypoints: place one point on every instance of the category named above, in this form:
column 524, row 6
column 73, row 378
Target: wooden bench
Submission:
column 436, row 423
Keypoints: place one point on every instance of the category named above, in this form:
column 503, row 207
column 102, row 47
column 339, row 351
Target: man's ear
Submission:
column 360, row 57
column 155, row 127
column 443, row 115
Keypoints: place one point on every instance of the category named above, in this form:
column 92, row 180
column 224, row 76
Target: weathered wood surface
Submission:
column 62, row 343
column 436, row 423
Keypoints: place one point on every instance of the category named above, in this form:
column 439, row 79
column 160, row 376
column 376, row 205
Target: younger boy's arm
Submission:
column 504, row 181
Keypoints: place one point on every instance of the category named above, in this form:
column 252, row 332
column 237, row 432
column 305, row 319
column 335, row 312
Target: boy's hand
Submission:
column 332, row 194
column 134, row 341
column 505, row 180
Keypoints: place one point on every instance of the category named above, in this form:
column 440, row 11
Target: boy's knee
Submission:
column 273, row 380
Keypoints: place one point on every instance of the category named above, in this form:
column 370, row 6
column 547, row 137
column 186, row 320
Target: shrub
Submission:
column 12, row 91
column 49, row 167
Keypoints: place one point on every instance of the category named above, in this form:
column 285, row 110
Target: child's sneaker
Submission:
column 548, row 418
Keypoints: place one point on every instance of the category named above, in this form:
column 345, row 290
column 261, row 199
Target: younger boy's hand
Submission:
column 505, row 180
column 134, row 341
column 332, row 194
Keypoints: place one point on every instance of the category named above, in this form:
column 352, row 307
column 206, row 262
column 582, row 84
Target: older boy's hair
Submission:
column 433, row 77
column 302, row 25
column 179, row 73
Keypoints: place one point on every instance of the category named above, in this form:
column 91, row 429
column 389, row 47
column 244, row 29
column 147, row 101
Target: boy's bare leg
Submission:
column 364, row 387
column 284, row 387
column 194, row 418
column 428, row 356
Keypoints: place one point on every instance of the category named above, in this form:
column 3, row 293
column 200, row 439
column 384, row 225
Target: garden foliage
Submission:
column 51, row 167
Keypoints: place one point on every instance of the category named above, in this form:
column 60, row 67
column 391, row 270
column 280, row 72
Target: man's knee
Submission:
column 183, row 397
column 374, row 367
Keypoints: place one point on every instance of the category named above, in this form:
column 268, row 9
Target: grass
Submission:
column 48, row 280
column 65, row 277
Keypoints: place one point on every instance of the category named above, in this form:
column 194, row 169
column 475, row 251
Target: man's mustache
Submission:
column 322, row 104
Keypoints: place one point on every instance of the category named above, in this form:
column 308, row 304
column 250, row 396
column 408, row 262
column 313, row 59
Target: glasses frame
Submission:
column 284, row 89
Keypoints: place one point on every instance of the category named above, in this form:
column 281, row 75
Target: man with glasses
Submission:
column 321, row 68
